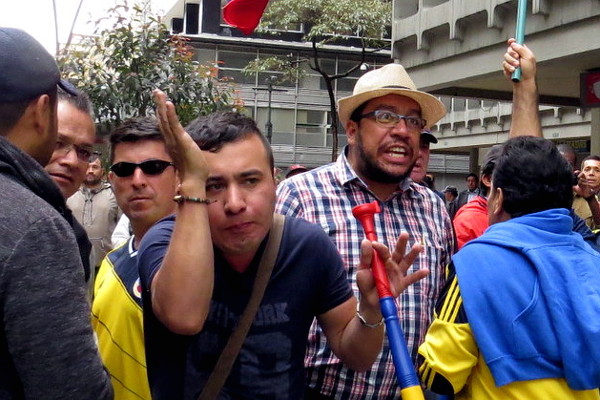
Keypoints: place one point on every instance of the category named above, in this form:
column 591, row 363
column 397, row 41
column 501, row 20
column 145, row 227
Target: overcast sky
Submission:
column 37, row 17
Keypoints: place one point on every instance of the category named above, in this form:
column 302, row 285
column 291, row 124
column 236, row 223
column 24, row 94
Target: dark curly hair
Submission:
column 211, row 132
column 533, row 176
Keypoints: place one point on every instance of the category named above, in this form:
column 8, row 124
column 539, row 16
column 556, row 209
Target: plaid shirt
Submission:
column 326, row 196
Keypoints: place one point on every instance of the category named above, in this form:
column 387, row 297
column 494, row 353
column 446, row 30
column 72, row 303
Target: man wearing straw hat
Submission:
column 384, row 119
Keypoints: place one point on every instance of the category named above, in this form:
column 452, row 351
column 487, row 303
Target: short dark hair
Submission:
column 81, row 101
column 473, row 175
column 590, row 157
column 428, row 181
column 486, row 169
column 135, row 130
column 213, row 131
column 533, row 176
column 11, row 113
column 358, row 111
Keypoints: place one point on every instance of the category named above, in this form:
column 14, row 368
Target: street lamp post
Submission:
column 270, row 89
column 269, row 124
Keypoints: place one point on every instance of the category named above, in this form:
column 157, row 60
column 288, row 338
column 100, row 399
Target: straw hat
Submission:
column 390, row 79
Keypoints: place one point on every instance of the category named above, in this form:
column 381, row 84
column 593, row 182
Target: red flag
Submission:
column 244, row 14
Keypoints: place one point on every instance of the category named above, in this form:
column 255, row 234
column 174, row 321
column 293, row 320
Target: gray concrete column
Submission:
column 595, row 132
column 474, row 161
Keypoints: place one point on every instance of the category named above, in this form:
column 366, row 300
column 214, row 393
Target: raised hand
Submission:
column 187, row 156
column 584, row 188
column 516, row 56
column 396, row 265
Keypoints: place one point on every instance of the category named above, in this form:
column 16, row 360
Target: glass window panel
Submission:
column 344, row 66
column 282, row 138
column 342, row 140
column 328, row 66
column 315, row 82
column 312, row 140
column 447, row 102
column 237, row 76
column 235, row 59
column 205, row 56
column 459, row 104
column 311, row 117
column 282, row 120
column 264, row 77
column 346, row 84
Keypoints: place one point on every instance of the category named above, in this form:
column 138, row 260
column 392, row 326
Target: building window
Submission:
column 282, row 121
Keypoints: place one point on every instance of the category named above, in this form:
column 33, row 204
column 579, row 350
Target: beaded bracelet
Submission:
column 180, row 199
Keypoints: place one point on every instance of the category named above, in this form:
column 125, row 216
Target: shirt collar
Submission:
column 346, row 175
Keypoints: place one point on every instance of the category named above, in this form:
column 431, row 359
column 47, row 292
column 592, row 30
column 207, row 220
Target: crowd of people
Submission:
column 227, row 284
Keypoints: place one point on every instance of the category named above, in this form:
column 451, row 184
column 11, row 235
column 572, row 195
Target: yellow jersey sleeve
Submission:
column 449, row 351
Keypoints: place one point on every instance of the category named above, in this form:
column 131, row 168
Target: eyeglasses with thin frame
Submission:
column 390, row 119
column 84, row 153
column 149, row 167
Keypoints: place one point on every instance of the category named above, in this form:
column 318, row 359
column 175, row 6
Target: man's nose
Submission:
column 70, row 157
column 235, row 201
column 138, row 178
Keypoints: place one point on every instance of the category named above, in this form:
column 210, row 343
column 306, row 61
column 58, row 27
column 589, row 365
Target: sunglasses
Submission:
column 150, row 167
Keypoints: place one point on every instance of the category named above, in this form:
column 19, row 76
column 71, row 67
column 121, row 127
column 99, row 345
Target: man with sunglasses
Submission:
column 144, row 182
column 384, row 119
column 47, row 348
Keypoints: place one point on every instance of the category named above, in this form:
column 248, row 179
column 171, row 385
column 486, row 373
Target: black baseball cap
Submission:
column 27, row 70
column 426, row 136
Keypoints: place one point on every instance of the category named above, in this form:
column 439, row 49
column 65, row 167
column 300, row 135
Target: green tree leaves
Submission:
column 363, row 23
column 132, row 53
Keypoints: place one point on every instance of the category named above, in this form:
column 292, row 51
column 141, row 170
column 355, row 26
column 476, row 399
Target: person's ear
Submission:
column 42, row 114
column 498, row 204
column 351, row 130
column 487, row 180
column 111, row 176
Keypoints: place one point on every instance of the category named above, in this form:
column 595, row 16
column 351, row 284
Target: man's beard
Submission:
column 374, row 172
column 92, row 182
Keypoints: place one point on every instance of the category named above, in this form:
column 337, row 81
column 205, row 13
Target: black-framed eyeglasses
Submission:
column 84, row 153
column 149, row 167
column 390, row 119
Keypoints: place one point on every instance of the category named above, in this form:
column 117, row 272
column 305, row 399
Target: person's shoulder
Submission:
column 299, row 226
column 78, row 194
column 472, row 207
column 124, row 250
column 300, row 231
column 161, row 227
column 426, row 194
column 105, row 190
column 19, row 203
